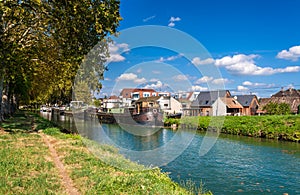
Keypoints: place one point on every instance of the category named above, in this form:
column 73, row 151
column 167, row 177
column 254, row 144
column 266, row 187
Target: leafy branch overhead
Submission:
column 43, row 44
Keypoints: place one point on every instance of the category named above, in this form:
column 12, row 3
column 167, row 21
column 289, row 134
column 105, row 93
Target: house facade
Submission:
column 203, row 104
column 186, row 98
column 250, row 104
column 145, row 103
column 137, row 93
column 170, row 105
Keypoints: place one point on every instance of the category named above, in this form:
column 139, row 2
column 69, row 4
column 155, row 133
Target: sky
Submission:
column 247, row 47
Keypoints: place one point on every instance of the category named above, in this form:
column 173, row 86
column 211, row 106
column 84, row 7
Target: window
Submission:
column 146, row 94
column 135, row 96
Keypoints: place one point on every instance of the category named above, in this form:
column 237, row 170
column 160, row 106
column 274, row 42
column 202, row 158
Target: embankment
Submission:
column 283, row 127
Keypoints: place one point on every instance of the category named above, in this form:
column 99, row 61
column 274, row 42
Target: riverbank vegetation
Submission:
column 32, row 148
column 280, row 127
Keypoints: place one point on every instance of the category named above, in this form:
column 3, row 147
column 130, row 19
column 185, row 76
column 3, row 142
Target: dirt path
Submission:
column 66, row 180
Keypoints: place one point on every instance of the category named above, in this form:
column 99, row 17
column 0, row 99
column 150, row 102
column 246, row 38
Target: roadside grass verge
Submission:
column 27, row 167
column 280, row 127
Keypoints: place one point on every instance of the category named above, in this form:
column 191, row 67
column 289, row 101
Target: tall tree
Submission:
column 44, row 42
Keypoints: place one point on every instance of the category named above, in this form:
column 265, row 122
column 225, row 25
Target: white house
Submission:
column 170, row 105
column 112, row 102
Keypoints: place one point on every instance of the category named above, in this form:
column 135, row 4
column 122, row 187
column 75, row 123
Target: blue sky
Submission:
column 255, row 45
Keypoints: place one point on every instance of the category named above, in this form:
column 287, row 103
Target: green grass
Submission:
column 281, row 127
column 26, row 166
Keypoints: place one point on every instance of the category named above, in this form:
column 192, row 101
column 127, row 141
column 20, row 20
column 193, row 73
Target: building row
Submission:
column 206, row 103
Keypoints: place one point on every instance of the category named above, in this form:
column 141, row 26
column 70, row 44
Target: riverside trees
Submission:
column 44, row 42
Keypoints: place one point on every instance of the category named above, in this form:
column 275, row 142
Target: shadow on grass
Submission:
column 23, row 122
column 27, row 122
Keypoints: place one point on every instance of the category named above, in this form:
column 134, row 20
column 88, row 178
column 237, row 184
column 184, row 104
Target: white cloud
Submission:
column 149, row 18
column 154, row 80
column 245, row 65
column 170, row 58
column 198, row 88
column 130, row 77
column 220, row 81
column 204, row 79
column 292, row 53
column 156, row 85
column 242, row 88
column 171, row 24
column 180, row 77
column 197, row 61
column 115, row 51
column 248, row 83
column 173, row 20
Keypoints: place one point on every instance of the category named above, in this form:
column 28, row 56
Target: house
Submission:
column 290, row 96
column 249, row 102
column 186, row 98
column 137, row 93
column 145, row 103
column 170, row 105
column 203, row 104
column 112, row 102
column 226, row 106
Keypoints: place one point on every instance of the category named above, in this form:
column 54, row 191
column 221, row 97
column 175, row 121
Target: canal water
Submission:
column 234, row 165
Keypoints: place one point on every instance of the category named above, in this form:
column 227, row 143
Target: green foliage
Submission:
column 97, row 103
column 277, row 109
column 43, row 44
column 281, row 127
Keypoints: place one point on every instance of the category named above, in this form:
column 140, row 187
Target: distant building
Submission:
column 186, row 98
column 112, row 102
column 137, row 93
column 170, row 105
column 203, row 104
column 249, row 102
column 290, row 96
column 226, row 106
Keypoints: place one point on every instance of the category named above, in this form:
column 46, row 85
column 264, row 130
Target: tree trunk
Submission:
column 1, row 94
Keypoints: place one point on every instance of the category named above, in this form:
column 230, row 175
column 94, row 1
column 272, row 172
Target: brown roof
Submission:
column 148, row 99
column 287, row 93
column 231, row 102
column 113, row 97
column 126, row 92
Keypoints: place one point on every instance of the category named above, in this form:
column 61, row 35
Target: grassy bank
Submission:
column 283, row 127
column 28, row 165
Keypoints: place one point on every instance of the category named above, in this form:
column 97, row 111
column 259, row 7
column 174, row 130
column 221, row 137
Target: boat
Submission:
column 176, row 116
column 149, row 117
